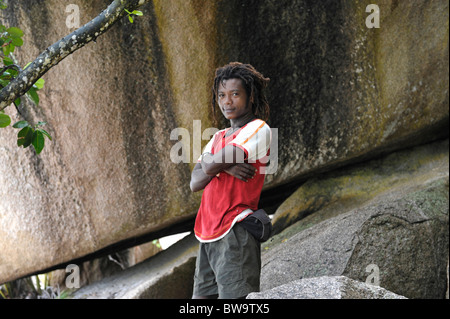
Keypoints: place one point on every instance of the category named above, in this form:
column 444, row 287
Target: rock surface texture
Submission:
column 397, row 240
column 401, row 235
column 340, row 94
column 339, row 287
column 167, row 275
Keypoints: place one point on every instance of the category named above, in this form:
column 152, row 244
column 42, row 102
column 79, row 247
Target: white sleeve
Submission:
column 254, row 139
column 208, row 147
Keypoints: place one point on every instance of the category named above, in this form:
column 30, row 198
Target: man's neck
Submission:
column 240, row 122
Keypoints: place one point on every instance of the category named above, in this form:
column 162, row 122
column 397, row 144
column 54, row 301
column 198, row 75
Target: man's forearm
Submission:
column 199, row 180
column 225, row 158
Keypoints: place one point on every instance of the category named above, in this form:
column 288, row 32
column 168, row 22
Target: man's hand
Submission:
column 212, row 164
column 242, row 171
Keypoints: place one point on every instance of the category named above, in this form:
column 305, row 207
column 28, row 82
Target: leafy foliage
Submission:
column 29, row 135
column 33, row 287
column 10, row 38
column 134, row 12
column 5, row 120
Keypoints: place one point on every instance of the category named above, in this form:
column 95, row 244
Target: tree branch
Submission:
column 64, row 47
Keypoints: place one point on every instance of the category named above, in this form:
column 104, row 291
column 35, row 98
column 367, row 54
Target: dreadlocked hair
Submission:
column 253, row 81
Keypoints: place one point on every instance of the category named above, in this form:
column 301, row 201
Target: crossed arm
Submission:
column 230, row 160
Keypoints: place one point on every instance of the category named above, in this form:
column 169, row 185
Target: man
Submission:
column 229, row 170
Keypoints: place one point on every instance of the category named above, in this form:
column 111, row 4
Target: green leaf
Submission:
column 45, row 133
column 130, row 18
column 38, row 141
column 18, row 42
column 7, row 61
column 17, row 101
column 15, row 32
column 21, row 124
column 40, row 83
column 33, row 95
column 5, row 120
column 9, row 74
column 137, row 12
column 25, row 136
column 7, row 50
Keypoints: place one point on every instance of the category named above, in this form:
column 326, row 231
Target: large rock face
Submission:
column 107, row 175
column 340, row 92
column 339, row 287
column 397, row 240
column 167, row 275
column 351, row 187
column 405, row 244
column 400, row 235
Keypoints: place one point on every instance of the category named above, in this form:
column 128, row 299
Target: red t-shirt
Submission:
column 226, row 199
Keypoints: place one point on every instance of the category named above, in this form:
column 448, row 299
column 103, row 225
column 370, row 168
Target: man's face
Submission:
column 232, row 99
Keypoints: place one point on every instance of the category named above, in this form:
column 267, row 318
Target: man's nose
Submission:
column 227, row 100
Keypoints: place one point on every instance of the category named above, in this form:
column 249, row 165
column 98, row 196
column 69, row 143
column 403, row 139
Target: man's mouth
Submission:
column 228, row 110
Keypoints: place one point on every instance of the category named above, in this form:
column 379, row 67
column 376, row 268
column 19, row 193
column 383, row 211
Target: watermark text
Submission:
column 73, row 19
column 181, row 150
column 373, row 19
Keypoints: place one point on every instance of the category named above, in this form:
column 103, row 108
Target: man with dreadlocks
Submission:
column 230, row 170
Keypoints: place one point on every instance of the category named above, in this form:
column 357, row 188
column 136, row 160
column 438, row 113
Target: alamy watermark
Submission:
column 73, row 19
column 374, row 276
column 373, row 19
column 73, row 279
column 181, row 151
